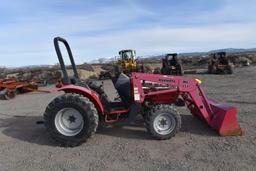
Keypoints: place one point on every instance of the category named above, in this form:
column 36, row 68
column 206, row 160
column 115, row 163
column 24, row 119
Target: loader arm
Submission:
column 220, row 117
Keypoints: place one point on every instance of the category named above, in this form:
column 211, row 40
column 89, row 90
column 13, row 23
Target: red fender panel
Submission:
column 86, row 93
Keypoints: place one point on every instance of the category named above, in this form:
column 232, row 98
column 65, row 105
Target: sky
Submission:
column 100, row 28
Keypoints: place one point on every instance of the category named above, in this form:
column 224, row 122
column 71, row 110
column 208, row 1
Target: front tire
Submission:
column 71, row 119
column 163, row 122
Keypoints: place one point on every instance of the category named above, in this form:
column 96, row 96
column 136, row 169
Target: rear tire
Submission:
column 163, row 122
column 7, row 94
column 71, row 119
column 165, row 71
column 180, row 70
column 212, row 69
column 230, row 69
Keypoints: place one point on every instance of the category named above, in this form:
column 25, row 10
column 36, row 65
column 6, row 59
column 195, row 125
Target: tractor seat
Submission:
column 113, row 96
column 124, row 88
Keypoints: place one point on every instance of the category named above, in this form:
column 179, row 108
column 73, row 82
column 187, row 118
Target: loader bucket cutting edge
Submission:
column 224, row 119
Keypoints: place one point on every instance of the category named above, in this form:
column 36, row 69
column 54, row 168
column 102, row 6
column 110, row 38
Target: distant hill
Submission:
column 202, row 54
column 188, row 54
column 233, row 50
column 227, row 50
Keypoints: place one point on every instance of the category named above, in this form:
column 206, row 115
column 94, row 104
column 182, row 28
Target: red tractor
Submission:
column 73, row 117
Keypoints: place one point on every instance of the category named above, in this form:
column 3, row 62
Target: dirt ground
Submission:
column 25, row 145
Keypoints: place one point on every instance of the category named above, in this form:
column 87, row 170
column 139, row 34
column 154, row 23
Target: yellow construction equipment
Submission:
column 127, row 62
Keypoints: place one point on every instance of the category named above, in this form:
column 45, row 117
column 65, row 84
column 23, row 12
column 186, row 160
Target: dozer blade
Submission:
column 224, row 119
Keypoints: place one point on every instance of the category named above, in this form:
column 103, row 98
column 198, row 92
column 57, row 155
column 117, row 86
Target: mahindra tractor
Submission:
column 73, row 117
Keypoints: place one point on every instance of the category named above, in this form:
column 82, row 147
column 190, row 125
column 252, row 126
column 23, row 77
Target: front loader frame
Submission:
column 221, row 117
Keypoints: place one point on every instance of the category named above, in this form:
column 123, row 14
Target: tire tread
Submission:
column 74, row 99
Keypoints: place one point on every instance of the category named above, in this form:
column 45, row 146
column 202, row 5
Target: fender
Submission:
column 85, row 92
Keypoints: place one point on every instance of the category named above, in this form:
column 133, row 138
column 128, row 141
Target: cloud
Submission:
column 31, row 39
column 164, row 39
column 102, row 30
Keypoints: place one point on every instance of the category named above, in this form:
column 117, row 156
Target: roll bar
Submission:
column 66, row 79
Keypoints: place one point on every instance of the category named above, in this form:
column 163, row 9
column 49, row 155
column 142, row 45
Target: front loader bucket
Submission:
column 224, row 119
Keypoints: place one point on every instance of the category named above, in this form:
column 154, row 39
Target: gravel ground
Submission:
column 26, row 145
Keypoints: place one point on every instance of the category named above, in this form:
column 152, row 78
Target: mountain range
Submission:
column 187, row 54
